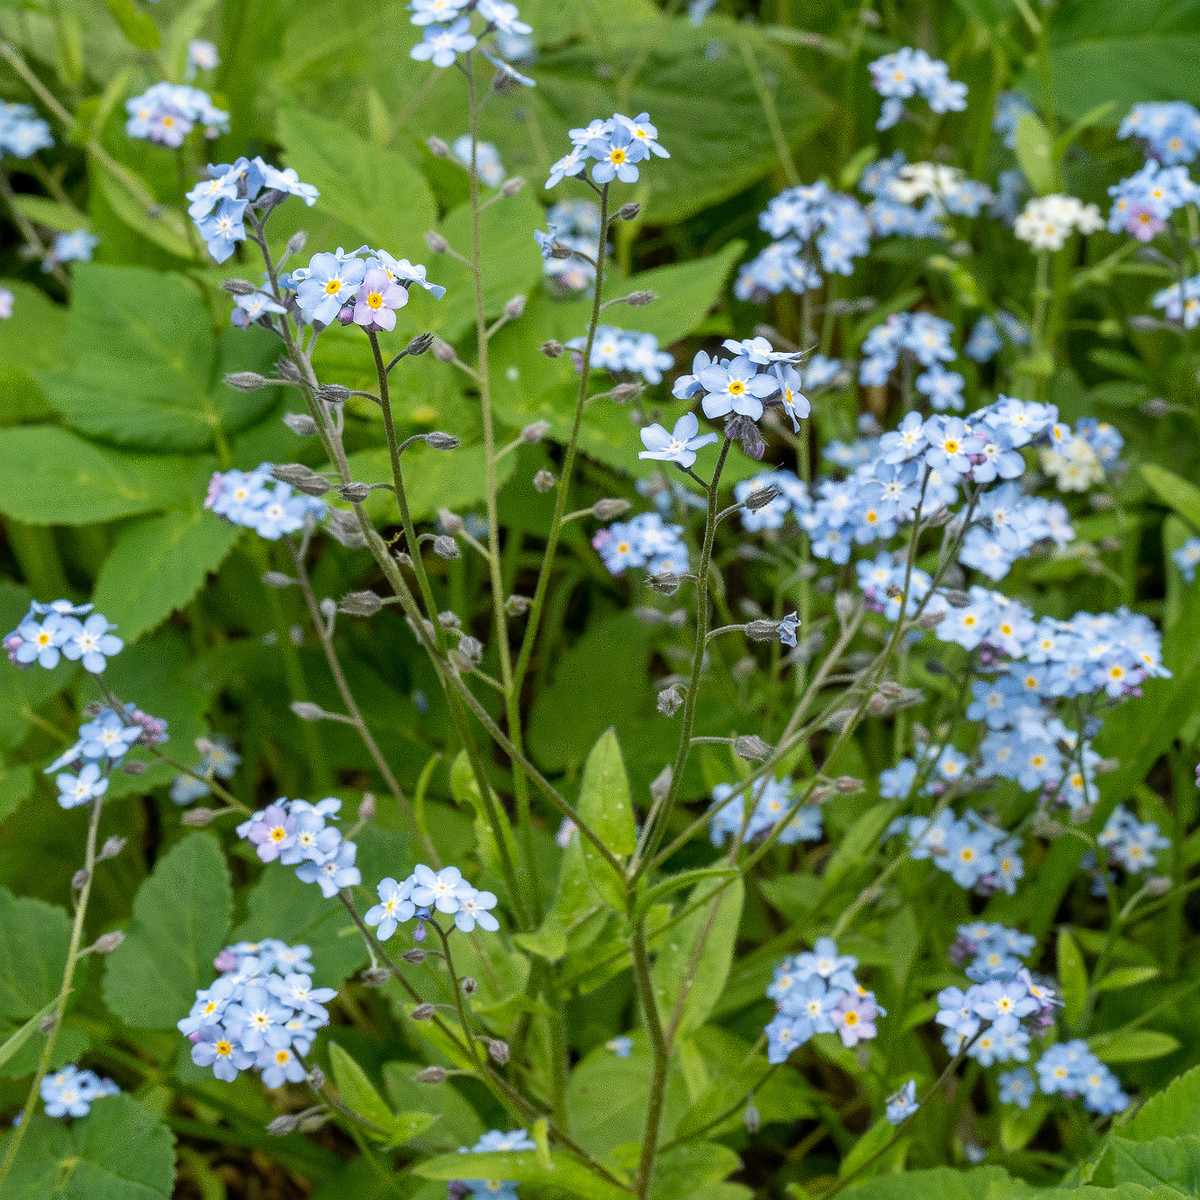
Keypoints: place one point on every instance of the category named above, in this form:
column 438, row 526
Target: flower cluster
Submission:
column 571, row 245
column 643, row 541
column 975, row 854
column 1072, row 1069
column 619, row 350
column 1010, row 108
column 1077, row 463
column 447, row 32
column 70, row 1092
column 1186, row 558
column 53, row 631
column 218, row 759
column 256, row 501
column 492, row 1142
column 756, row 377
column 1131, row 844
column 680, row 445
column 350, row 288
column 985, row 341
column 102, row 744
column 218, row 204
column 816, row 992
column 261, row 1011
column 1143, row 203
column 810, row 224
column 908, row 72
column 920, row 336
column 616, row 146
column 772, row 802
column 167, row 112
column 1170, row 130
column 297, row 833
column 916, row 199
column 488, row 165
column 22, row 131
column 1181, row 301
column 425, row 892
column 1046, row 222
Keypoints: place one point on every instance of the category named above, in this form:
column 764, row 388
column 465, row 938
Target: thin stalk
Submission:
column 658, row 1042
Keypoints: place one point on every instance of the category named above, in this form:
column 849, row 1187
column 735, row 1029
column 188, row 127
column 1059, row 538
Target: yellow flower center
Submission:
column 851, row 1017
column 737, row 387
column 374, row 300
column 951, row 446
column 224, row 1048
column 618, row 156
column 333, row 287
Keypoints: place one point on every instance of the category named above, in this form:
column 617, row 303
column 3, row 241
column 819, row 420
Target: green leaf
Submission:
column 20, row 1036
column 60, row 217
column 143, row 367
column 31, row 338
column 118, row 1152
column 606, row 807
column 1136, row 1045
column 358, row 1093
column 16, row 784
column 1168, row 1113
column 674, row 883
column 1173, row 1162
column 859, row 843
column 180, row 918
column 679, row 1173
column 379, row 193
column 1072, row 976
column 1174, row 492
column 699, row 950
column 457, row 1125
column 138, row 27
column 1035, row 153
column 1124, row 977
column 157, row 564
column 50, row 476
column 34, row 937
column 524, row 1166
column 125, row 194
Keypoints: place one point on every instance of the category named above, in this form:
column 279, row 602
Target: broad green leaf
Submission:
column 524, row 1166
column 280, row 906
column 16, row 784
column 606, row 807
column 947, row 1183
column 1176, row 493
column 1136, row 1045
column 157, row 564
column 458, row 1124
column 359, row 1094
column 698, row 951
column 1072, row 975
column 1168, row 1113
column 60, row 217
column 21, row 1035
column 1174, row 1162
column 1124, row 977
column 180, row 918
column 859, row 844
column 124, row 193
column 120, row 1151
column 34, row 937
column 143, row 367
column 865, row 1149
column 378, row 193
column 679, row 1173
column 137, row 26
column 30, row 339
column 1035, row 153
column 50, row 476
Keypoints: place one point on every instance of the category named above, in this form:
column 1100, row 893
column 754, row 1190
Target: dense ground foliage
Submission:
column 601, row 600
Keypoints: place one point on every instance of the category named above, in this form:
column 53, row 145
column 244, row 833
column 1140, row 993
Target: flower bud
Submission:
column 543, row 481
column 445, row 546
column 609, row 507
column 277, row 579
column 498, row 1051
column 431, row 1075
column 1155, row 407
column 517, row 605
column 107, row 942
column 300, row 424
column 334, row 393
column 930, row 620
column 437, row 147
column 623, row 393
column 133, row 767
column 317, row 1078
column 762, row 630
column 443, row 351
column 878, row 704
column 664, row 582
column 80, row 879
column 512, row 186
column 534, row 432
column 238, row 287
column 422, row 1012
column 451, row 522
column 640, row 299
column 752, row 1118
column 295, row 243
column 414, row 955
column 375, row 977
column 752, row 748
column 197, row 818
column 419, row 344
column 354, row 492
column 514, row 308
column 471, row 650
column 366, row 806
column 312, row 1120
column 282, row 1125
column 627, row 212
column 847, row 785
column 1158, row 885
column 552, row 348
column 436, row 242
column 343, row 527
column 761, row 498
column 48, row 1022
column 111, row 848
column 669, row 701
column 307, row 711
column 246, row 381
column 437, row 440
column 449, row 620
column 468, row 985
column 660, row 786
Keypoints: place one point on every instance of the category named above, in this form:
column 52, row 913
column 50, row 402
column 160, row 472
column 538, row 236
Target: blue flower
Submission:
column 617, row 155
column 1016, row 1087
column 622, row 1047
column 787, row 629
column 330, row 284
column 442, row 45
column 107, row 737
column 69, row 1092
column 90, row 641
column 217, row 1049
column 395, row 907
column 902, row 1104
column 76, row 246
column 279, row 1065
column 439, row 889
column 223, row 228
column 473, row 910
column 735, row 386
column 74, row 790
column 678, row 446
column 336, row 872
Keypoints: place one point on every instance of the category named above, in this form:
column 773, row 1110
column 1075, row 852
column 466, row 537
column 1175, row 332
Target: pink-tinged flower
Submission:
column 854, row 1018
column 216, row 485
column 377, row 299
column 1143, row 223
